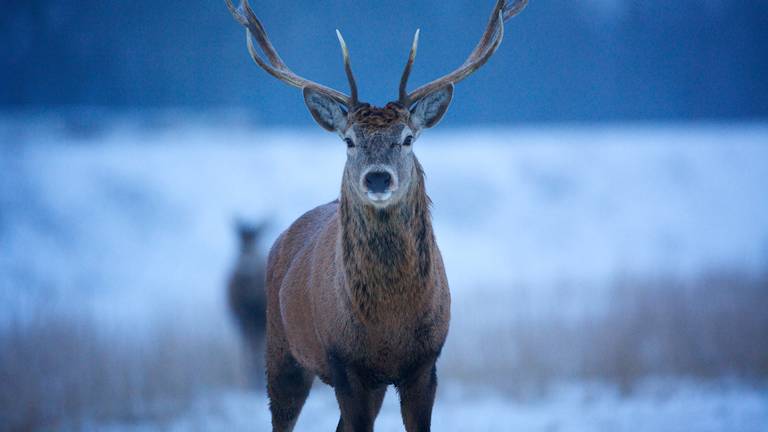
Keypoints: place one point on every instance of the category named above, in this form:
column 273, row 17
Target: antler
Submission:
column 277, row 67
column 494, row 33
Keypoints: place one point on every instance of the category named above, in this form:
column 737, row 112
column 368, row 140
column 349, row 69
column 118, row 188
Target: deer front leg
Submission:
column 359, row 399
column 359, row 409
column 417, row 395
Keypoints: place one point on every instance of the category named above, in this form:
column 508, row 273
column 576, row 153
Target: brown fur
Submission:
column 357, row 296
column 373, row 118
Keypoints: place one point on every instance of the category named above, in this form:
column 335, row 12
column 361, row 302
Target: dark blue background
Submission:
column 590, row 60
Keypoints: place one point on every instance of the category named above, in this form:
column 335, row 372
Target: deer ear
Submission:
column 327, row 112
column 429, row 110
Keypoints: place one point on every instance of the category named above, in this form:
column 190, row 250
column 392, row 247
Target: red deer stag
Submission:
column 356, row 289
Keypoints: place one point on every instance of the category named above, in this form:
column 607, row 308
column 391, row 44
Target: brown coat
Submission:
column 365, row 285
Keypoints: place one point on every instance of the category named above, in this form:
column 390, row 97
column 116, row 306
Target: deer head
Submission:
column 380, row 164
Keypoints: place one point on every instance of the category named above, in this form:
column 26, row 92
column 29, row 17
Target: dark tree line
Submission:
column 561, row 61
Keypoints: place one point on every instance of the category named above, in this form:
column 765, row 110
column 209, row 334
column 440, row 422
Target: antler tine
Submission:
column 403, row 98
column 486, row 47
column 276, row 66
column 348, row 70
column 514, row 9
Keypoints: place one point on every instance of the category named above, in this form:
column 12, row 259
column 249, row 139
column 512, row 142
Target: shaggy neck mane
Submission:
column 387, row 253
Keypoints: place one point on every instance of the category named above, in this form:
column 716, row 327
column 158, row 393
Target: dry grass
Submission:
column 60, row 372
column 710, row 326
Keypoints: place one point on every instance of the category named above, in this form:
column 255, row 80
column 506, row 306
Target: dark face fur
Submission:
column 380, row 163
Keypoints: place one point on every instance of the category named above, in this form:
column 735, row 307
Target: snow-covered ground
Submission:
column 145, row 214
column 658, row 407
column 130, row 223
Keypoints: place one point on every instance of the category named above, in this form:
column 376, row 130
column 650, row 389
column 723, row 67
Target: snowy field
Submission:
column 129, row 224
column 682, row 407
column 136, row 207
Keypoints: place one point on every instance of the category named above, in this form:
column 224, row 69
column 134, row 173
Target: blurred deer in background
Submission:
column 356, row 289
column 247, row 298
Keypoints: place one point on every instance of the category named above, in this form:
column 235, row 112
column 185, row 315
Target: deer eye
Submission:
column 408, row 141
column 349, row 142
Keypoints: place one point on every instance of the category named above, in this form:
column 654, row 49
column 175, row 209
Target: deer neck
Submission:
column 387, row 253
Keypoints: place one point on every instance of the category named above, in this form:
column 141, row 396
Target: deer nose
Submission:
column 378, row 181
